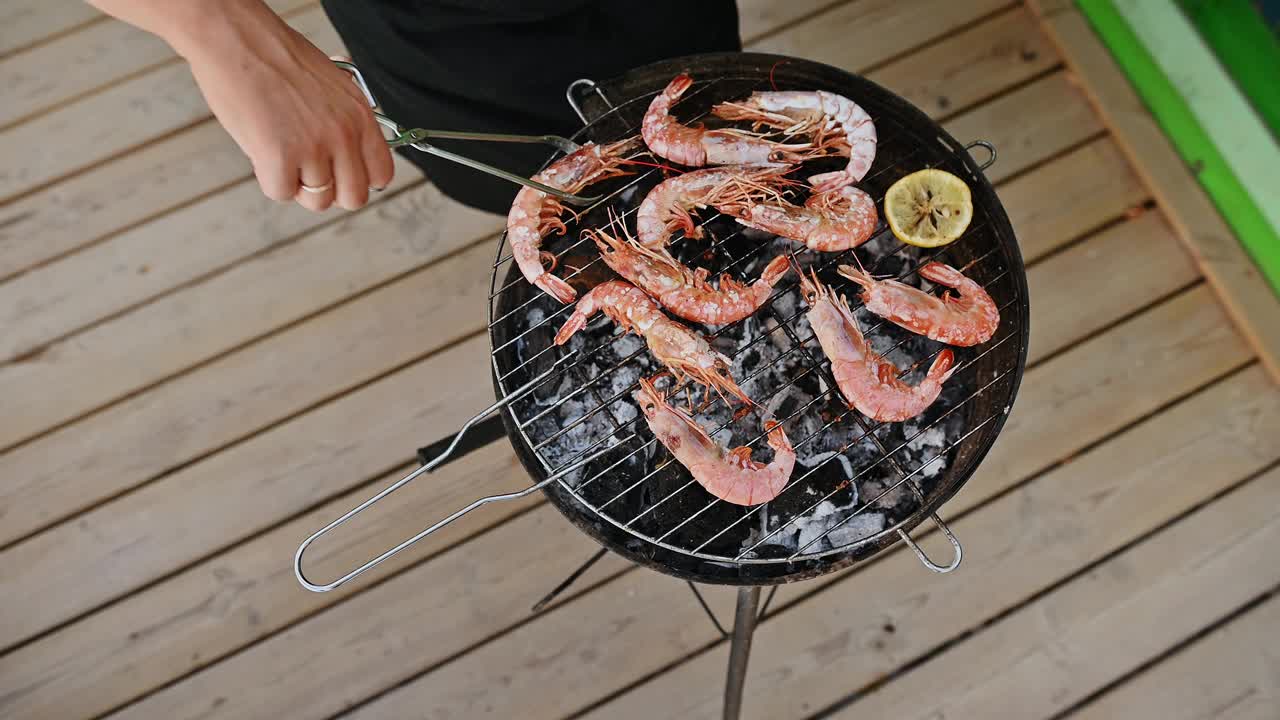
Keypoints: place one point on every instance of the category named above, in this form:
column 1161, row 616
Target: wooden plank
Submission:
column 864, row 628
column 79, row 373
column 286, row 374
column 282, row 471
column 1233, row 672
column 1224, row 262
column 54, row 301
column 140, row 109
column 177, row 331
column 1022, row 140
column 27, row 22
column 992, row 56
column 117, row 195
column 1061, row 648
column 864, row 32
column 657, row 607
column 83, row 61
column 226, row 602
column 1140, row 259
column 757, row 18
column 421, row 615
column 1123, row 357
column 1089, row 184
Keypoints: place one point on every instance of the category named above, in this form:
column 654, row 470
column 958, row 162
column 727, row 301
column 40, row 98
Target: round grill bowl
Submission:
column 860, row 485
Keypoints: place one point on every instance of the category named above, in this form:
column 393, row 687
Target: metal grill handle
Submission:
column 586, row 85
column 991, row 153
column 428, row 467
column 924, row 559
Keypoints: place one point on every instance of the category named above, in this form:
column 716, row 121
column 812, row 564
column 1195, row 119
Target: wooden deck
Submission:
column 193, row 378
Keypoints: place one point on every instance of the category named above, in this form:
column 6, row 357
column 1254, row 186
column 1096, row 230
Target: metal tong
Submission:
column 416, row 138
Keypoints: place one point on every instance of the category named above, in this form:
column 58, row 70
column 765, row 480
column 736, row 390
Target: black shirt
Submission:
column 503, row 66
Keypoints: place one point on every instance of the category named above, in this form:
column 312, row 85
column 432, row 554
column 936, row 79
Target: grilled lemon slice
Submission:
column 928, row 208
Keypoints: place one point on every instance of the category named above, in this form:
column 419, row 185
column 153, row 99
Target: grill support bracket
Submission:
column 744, row 628
column 956, row 557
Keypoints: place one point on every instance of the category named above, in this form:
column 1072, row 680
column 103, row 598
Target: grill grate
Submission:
column 638, row 496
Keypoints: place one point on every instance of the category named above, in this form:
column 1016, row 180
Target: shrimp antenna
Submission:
column 858, row 260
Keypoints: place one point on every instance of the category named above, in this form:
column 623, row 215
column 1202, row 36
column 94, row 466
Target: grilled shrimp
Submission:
column 683, row 291
column 698, row 146
column 967, row 317
column 535, row 214
column 731, row 476
column 731, row 189
column 813, row 113
column 680, row 349
column 830, row 221
column 867, row 380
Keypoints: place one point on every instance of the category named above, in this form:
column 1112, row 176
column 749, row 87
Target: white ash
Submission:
column 535, row 315
column 843, row 529
column 628, row 343
column 859, row 527
column 813, row 461
column 877, row 491
column 625, row 412
column 928, row 445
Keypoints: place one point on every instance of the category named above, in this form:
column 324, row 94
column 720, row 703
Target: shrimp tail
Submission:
column 942, row 367
column 941, row 274
column 556, row 288
column 777, row 438
column 678, row 85
column 858, row 275
column 578, row 320
column 826, row 182
column 776, row 269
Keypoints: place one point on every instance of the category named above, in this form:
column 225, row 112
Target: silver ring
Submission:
column 317, row 189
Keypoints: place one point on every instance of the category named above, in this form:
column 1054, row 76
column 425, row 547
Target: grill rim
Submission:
column 685, row 565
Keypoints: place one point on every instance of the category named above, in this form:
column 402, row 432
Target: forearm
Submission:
column 268, row 85
column 189, row 25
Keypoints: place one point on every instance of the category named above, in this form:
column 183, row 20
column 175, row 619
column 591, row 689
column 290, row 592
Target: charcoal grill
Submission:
column 860, row 485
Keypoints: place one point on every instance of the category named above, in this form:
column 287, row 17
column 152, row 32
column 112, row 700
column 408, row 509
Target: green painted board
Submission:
column 1222, row 111
column 1189, row 136
column 1248, row 49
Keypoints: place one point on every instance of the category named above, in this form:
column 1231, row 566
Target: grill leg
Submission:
column 744, row 626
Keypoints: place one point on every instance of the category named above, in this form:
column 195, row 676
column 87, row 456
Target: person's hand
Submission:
column 300, row 119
